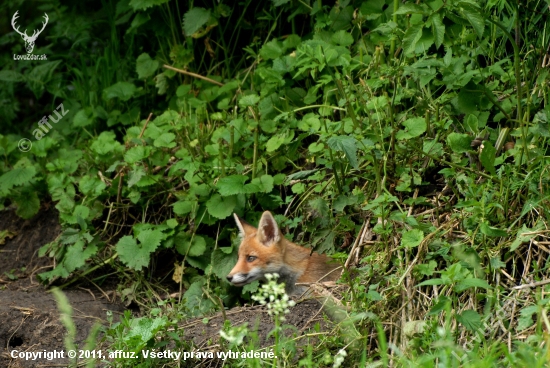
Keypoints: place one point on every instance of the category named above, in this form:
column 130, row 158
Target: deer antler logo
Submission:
column 29, row 41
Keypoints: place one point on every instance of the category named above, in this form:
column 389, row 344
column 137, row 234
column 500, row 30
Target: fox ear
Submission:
column 268, row 231
column 244, row 227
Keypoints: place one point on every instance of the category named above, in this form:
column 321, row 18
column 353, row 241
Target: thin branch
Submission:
column 531, row 285
column 193, row 75
column 145, row 126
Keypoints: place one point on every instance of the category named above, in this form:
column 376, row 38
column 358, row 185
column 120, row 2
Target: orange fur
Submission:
column 265, row 250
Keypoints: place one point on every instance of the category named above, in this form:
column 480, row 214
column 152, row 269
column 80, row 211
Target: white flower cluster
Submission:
column 235, row 335
column 339, row 358
column 273, row 294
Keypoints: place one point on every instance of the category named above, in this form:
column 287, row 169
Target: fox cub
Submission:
column 265, row 250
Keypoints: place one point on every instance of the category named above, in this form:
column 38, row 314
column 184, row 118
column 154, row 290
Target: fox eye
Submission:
column 251, row 258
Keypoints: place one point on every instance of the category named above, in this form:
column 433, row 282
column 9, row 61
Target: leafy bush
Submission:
column 420, row 128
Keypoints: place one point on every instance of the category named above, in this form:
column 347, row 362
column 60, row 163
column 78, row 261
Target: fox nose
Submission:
column 229, row 278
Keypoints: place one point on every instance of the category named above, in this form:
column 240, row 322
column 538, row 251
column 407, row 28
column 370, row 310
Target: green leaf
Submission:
column 144, row 4
column 346, row 144
column 473, row 123
column 309, row 122
column 200, row 262
column 81, row 211
column 182, row 208
column 194, row 300
column 448, row 58
column 344, row 200
column 459, row 143
column 409, row 8
column 194, row 19
column 342, row 38
column 526, row 317
column 132, row 254
column 91, row 185
column 432, row 147
column 151, row 238
column 439, row 306
column 77, row 255
column 143, row 330
column 231, row 185
column 83, row 117
column 438, row 29
column 279, row 2
column 160, row 83
column 223, row 262
column 165, row 140
column 271, row 50
column 470, row 319
column 316, row 147
column 279, row 179
column 105, row 143
column 193, row 246
column 40, row 75
column 473, row 15
column 469, row 98
column 426, row 269
column 263, row 184
column 249, row 100
column 413, row 128
column 11, row 76
column 487, row 157
column 496, row 263
column 134, row 176
column 122, row 90
column 252, row 287
column 228, row 87
column 411, row 37
column 139, row 20
column 221, row 207
column 341, row 17
column 471, row 282
column 147, row 180
column 145, row 66
column 275, row 142
column 57, row 272
column 432, row 282
column 524, row 235
column 27, row 203
column 137, row 255
column 268, row 126
column 491, row 231
column 16, row 176
column 412, row 238
column 300, row 175
column 135, row 154
column 374, row 295
column 298, row 188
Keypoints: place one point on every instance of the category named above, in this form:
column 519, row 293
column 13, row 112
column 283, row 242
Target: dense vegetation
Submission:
column 409, row 139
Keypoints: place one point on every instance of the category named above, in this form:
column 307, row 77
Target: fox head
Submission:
column 261, row 251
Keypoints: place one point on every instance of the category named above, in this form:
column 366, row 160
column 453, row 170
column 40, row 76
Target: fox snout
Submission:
column 240, row 279
column 230, row 278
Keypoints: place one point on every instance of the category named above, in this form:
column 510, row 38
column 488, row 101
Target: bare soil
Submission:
column 28, row 311
column 205, row 331
column 303, row 317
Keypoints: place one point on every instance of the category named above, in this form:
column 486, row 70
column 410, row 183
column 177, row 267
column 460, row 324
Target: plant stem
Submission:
column 392, row 45
column 518, row 81
column 255, row 159
column 222, row 165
